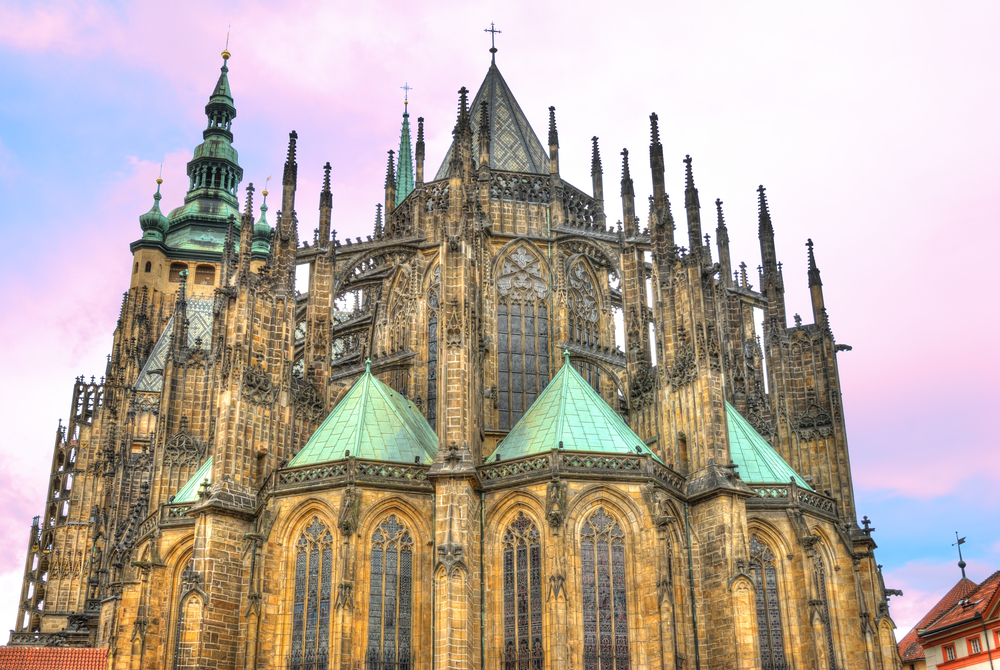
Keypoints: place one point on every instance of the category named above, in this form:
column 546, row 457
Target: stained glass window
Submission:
column 433, row 302
column 390, row 598
column 605, row 607
column 311, row 599
column 522, row 335
column 772, row 648
column 522, row 597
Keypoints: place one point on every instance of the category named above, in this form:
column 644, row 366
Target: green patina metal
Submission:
column 262, row 231
column 569, row 411
column 372, row 422
column 758, row 462
column 189, row 492
column 154, row 223
column 404, row 168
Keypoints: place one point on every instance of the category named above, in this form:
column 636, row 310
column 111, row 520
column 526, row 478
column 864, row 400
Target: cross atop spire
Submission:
column 493, row 39
column 406, row 93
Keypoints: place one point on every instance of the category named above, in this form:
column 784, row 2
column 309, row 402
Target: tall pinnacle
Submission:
column 595, row 159
column 814, row 279
column 404, row 171
column 390, row 173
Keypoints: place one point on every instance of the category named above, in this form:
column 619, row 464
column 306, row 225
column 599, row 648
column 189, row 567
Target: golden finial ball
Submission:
column 226, row 54
column 265, row 192
column 159, row 180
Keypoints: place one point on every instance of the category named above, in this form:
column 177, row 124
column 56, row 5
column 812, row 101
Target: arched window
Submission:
column 311, row 606
column 149, row 266
column 175, row 271
column 522, row 596
column 433, row 304
column 825, row 607
column 204, row 274
column 772, row 647
column 390, row 598
column 605, row 611
column 522, row 335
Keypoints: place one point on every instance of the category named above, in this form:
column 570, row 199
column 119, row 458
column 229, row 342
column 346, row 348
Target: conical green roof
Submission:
column 404, row 169
column 570, row 411
column 758, row 462
column 189, row 492
column 374, row 422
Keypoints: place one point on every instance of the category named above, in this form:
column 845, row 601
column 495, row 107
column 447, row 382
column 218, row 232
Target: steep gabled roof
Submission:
column 909, row 647
column 514, row 146
column 978, row 602
column 199, row 316
column 570, row 411
column 759, row 462
column 189, row 492
column 372, row 421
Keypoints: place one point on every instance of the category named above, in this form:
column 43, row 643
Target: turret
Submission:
column 325, row 207
column 628, row 198
column 693, row 207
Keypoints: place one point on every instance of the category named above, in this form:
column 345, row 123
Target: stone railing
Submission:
column 582, row 464
column 174, row 515
column 350, row 471
column 59, row 639
column 791, row 495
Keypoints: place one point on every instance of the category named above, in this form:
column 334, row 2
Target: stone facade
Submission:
column 463, row 299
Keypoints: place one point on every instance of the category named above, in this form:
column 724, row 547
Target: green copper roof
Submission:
column 189, row 492
column 404, row 170
column 514, row 145
column 372, row 421
column 262, row 231
column 570, row 411
column 759, row 462
column 154, row 223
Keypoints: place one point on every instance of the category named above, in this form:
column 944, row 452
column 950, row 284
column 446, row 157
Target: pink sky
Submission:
column 873, row 127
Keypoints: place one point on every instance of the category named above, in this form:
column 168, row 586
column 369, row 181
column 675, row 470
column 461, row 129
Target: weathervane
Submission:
column 959, row 541
column 493, row 39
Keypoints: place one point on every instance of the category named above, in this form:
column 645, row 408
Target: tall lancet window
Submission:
column 825, row 607
column 584, row 319
column 772, row 647
column 433, row 306
column 311, row 607
column 522, row 334
column 605, row 610
column 522, row 596
column 390, row 598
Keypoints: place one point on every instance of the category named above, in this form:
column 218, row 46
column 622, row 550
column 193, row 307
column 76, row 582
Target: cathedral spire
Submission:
column 378, row 221
column 722, row 242
column 390, row 184
column 628, row 197
column 765, row 231
column 693, row 206
column 484, row 136
column 246, row 233
column 404, row 173
column 815, row 288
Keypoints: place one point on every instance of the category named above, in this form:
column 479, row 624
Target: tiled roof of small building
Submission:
column 979, row 601
column 758, row 462
column 909, row 647
column 374, row 422
column 189, row 492
column 52, row 658
column 569, row 411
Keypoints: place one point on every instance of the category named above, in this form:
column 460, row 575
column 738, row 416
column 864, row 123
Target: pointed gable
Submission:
column 570, row 411
column 514, row 146
column 758, row 462
column 373, row 422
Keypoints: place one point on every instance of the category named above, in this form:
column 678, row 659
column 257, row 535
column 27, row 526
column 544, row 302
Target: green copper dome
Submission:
column 262, row 232
column 569, row 411
column 374, row 422
column 154, row 223
column 189, row 492
column 758, row 462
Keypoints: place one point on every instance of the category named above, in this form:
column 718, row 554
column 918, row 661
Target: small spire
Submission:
column 378, row 221
column 485, row 136
column 595, row 158
column 325, row 196
column 368, row 366
column 690, row 192
column 553, row 133
column 627, row 186
column 654, row 129
column 463, row 103
column 248, row 211
column 390, row 173
column 814, row 279
column 722, row 219
column 762, row 210
column 291, row 167
column 404, row 173
column 420, row 134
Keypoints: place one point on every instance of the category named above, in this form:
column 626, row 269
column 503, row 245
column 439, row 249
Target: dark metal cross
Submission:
column 406, row 91
column 493, row 38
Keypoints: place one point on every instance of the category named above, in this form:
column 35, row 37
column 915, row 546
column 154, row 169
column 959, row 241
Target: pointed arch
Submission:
column 522, row 286
column 522, row 594
column 770, row 633
column 390, row 596
column 312, row 573
column 604, row 593
column 822, row 559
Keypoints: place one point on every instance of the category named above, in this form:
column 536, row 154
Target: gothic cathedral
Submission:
column 454, row 450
